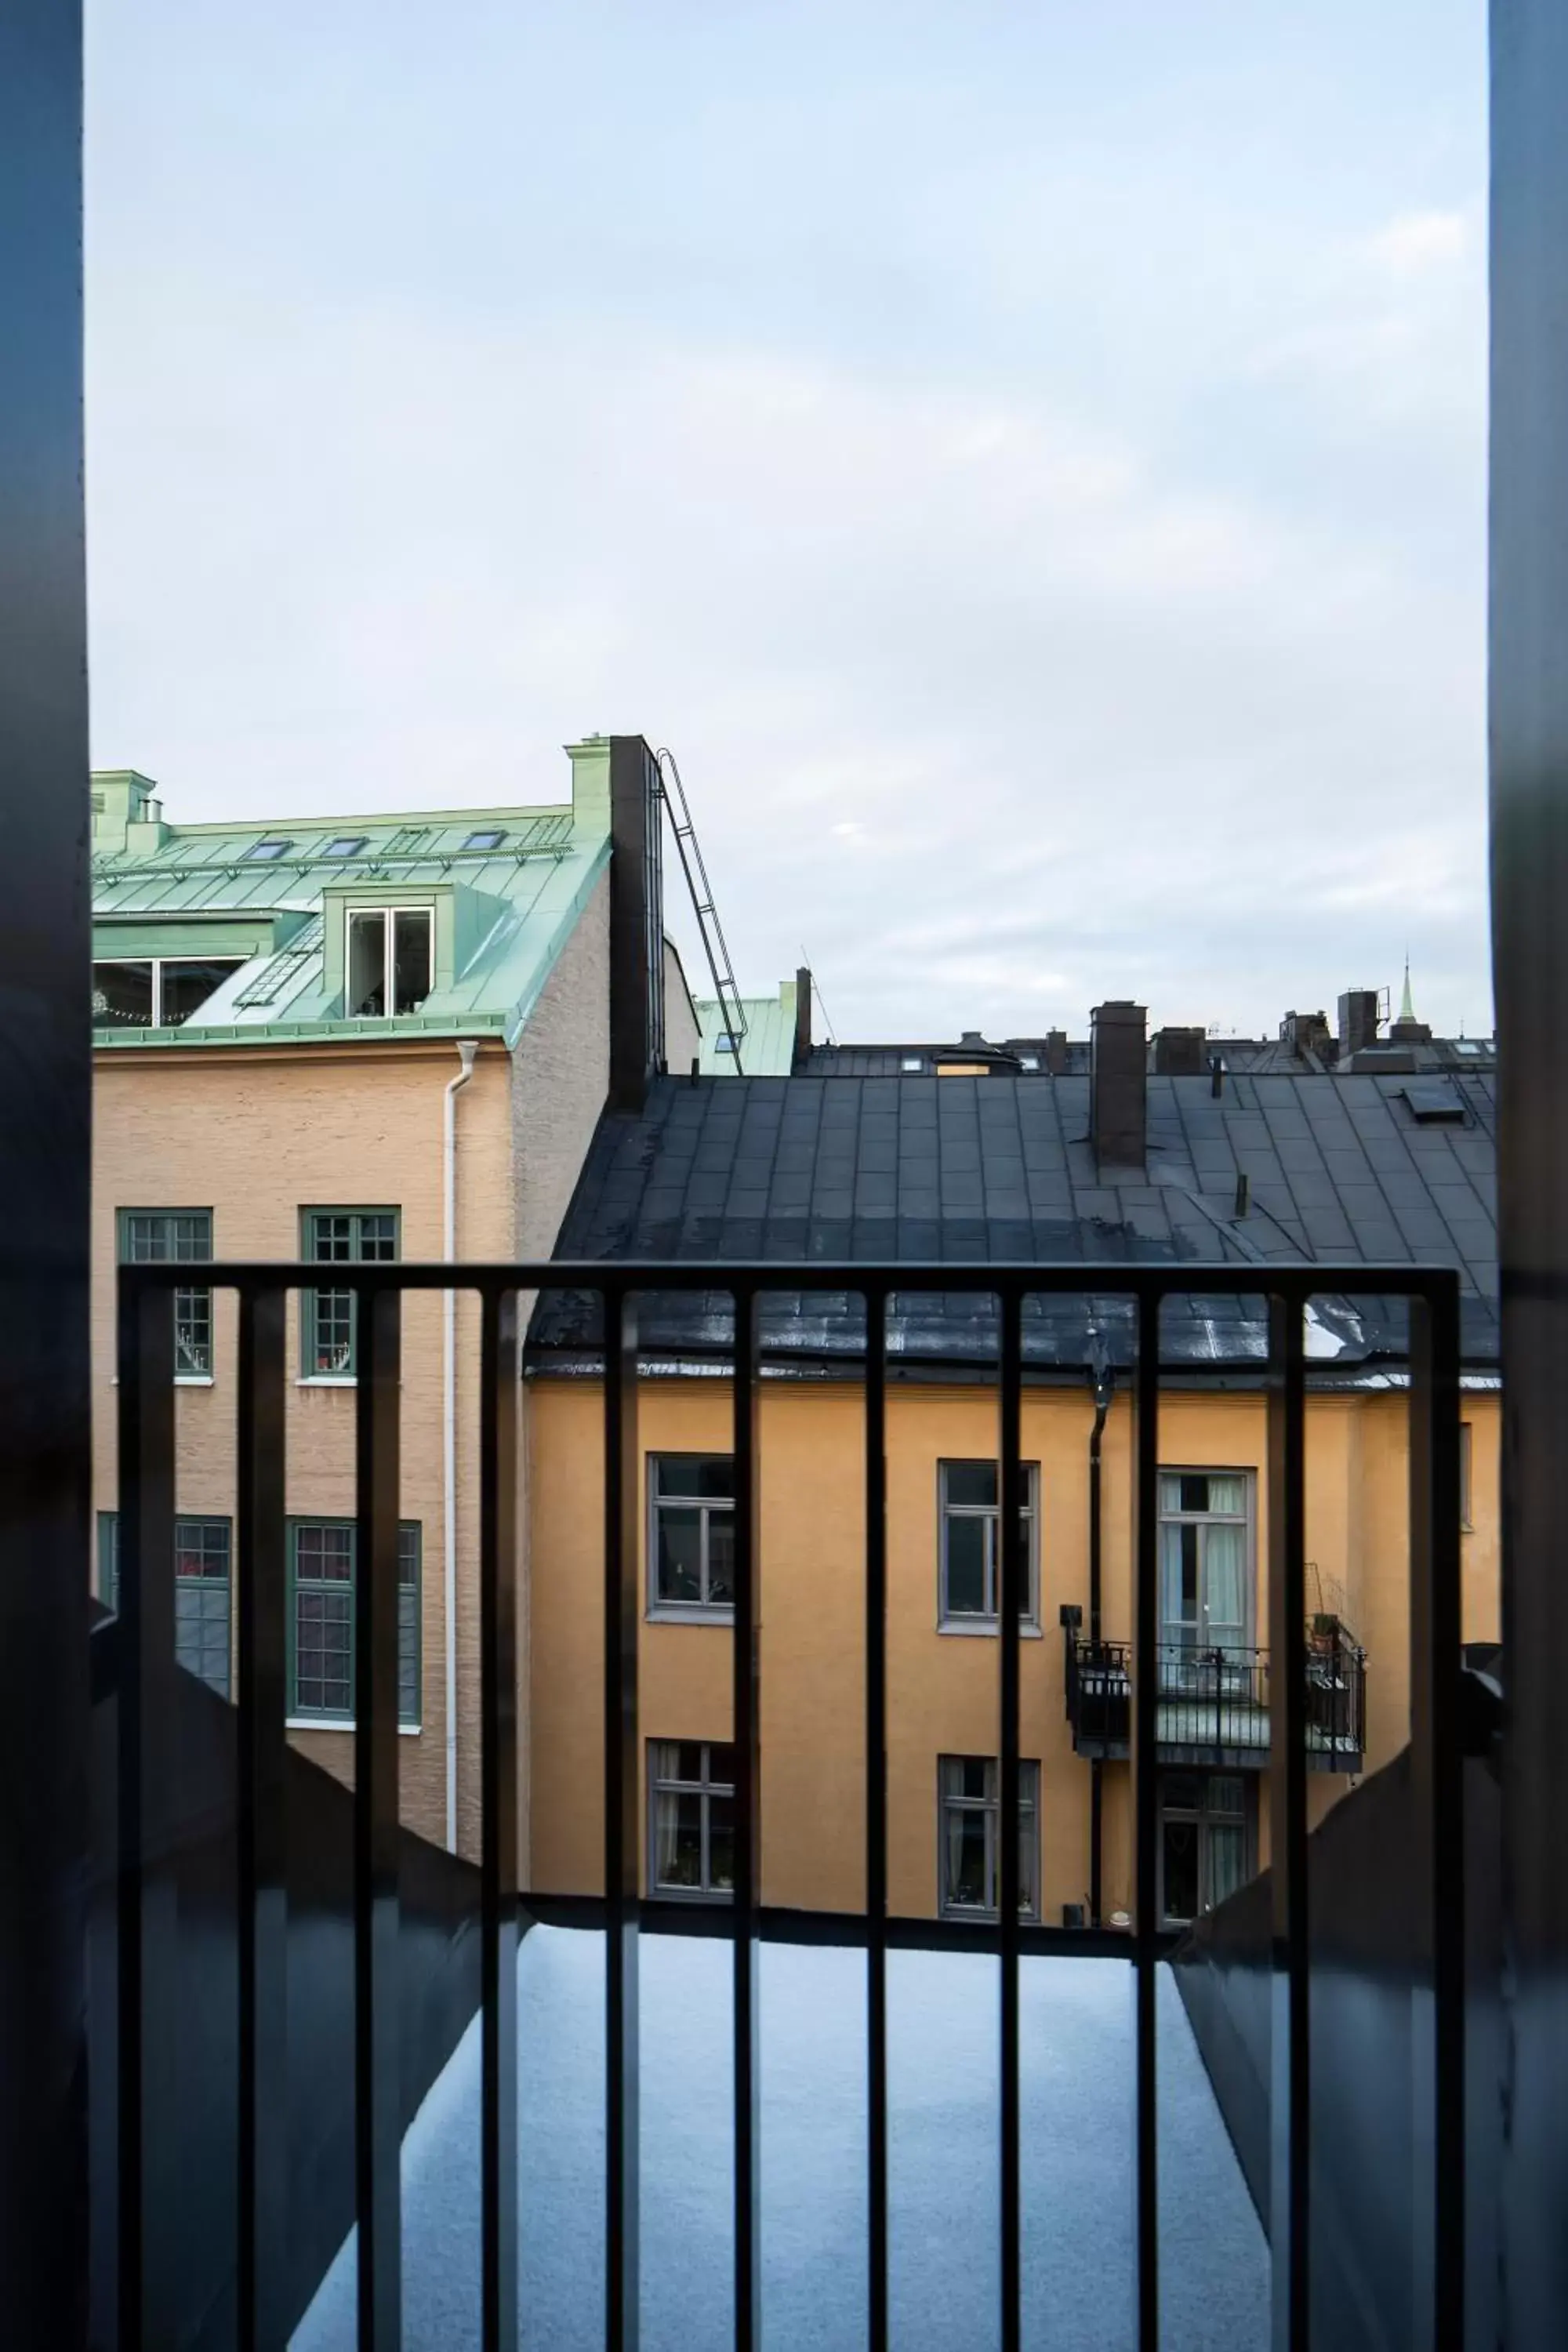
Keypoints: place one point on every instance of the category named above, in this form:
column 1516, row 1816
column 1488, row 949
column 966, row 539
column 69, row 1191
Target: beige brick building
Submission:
column 359, row 1038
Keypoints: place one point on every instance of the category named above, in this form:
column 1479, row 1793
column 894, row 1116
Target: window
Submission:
column 1205, row 1841
column 339, row 1237
column 1029, row 1061
column 971, row 1575
column 489, row 837
column 263, row 853
column 201, row 1592
column 724, row 1043
column 1206, row 1595
column 176, row 1237
column 1467, row 1514
column 691, row 1812
column 691, row 1538
column 912, row 1064
column 387, row 941
column 967, row 1843
column 347, row 844
column 156, row 992
column 322, row 1620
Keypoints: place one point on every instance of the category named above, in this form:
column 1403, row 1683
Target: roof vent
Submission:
column 1435, row 1106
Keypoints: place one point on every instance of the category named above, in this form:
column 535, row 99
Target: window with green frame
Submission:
column 203, row 1558
column 322, row 1620
column 339, row 1237
column 176, row 1237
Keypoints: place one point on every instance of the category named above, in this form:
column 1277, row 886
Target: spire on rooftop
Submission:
column 1407, row 1008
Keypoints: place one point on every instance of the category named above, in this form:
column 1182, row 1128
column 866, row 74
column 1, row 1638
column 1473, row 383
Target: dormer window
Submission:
column 389, row 961
column 347, row 844
column 155, row 992
column 266, row 852
column 489, row 837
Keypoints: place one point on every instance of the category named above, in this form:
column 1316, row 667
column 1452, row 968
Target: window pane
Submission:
column 376, row 1235
column 1227, row 1496
column 695, row 1478
column 323, row 1551
column 194, row 1333
column 185, row 988
column 365, row 994
column 122, row 995
column 332, row 1331
column 407, row 1656
column 411, row 962
column 330, row 1236
column 1226, row 1860
column 967, row 1551
column 972, row 1484
column 1226, row 1795
column 1180, row 1791
column 966, row 1872
column 1180, row 1853
column 721, row 1845
column 722, row 1763
column 678, row 1534
column 683, row 1759
column 721, row 1558
column 678, row 1841
column 1194, row 1494
column 323, row 1682
column 201, row 1547
column 409, row 1555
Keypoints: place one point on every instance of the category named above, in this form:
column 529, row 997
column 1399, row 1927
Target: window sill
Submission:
column 968, row 1628
column 717, row 1897
column 966, row 1915
column 194, row 1381
column 341, row 1723
column 672, row 1613
column 327, row 1381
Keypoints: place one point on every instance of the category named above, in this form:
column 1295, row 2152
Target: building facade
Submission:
column 344, row 1041
column 1339, row 1168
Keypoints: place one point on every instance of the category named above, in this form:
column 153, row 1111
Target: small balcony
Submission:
column 1214, row 1702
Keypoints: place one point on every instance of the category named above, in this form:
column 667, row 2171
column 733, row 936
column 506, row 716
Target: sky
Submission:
column 1028, row 461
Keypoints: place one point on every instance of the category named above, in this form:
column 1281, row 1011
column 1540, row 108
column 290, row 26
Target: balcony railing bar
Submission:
column 147, row 2135
column 1288, row 2167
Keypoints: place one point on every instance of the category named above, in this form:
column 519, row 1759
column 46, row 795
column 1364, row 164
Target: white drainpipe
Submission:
column 466, row 1048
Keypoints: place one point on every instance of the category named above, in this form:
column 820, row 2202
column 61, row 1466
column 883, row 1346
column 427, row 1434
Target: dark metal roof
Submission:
column 999, row 1169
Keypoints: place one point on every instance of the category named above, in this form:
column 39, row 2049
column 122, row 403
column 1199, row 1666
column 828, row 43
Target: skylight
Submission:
column 347, row 844
column 489, row 837
column 1435, row 1106
column 265, row 851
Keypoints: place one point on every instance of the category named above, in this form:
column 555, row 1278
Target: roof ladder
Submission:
column 724, row 987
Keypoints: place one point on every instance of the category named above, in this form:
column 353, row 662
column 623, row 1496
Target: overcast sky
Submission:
column 1026, row 459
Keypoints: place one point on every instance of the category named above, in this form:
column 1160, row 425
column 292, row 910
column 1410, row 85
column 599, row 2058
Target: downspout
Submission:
column 1104, row 1379
column 466, row 1048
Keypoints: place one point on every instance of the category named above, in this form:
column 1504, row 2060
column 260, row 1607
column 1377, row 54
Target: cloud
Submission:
column 1414, row 242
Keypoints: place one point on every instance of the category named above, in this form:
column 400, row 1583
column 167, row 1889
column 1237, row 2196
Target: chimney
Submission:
column 636, row 908
column 801, row 1053
column 1358, row 1021
column 1307, row 1033
column 1057, row 1053
column 1117, row 1081
column 1179, row 1053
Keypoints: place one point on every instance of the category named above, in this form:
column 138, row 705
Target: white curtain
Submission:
column 1224, row 1580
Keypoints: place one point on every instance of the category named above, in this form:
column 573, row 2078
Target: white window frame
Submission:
column 685, row 1612
column 156, row 964
column 706, row 1788
column 990, row 1805
column 986, row 1620
column 1248, row 1516
column 388, row 913
column 1203, row 1816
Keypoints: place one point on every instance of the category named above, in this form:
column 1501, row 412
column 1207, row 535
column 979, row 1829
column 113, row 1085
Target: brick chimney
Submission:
column 1358, row 1021
column 802, row 1052
column 1180, row 1053
column 1118, row 1082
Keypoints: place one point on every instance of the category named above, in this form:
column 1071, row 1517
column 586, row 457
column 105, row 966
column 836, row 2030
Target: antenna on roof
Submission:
column 806, row 962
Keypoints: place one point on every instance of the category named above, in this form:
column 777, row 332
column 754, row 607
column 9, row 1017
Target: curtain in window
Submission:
column 1178, row 1585
column 1225, row 1573
column 956, row 1825
column 1227, row 1843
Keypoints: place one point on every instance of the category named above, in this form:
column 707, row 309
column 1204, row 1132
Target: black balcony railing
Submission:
column 148, row 2176
column 1214, row 1701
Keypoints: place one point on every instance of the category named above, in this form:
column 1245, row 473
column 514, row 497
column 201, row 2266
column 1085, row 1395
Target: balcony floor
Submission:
column 1078, row 2238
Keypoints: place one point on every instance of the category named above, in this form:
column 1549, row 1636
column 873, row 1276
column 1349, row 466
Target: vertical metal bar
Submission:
column 877, row 1817
column 623, row 1841
column 1009, row 1890
column 149, row 1922
column 745, row 1924
column 1437, row 1814
column 263, row 2317
column 1289, row 2114
column 1145, row 1806
column 498, row 1825
column 378, row 2111
column 46, row 1434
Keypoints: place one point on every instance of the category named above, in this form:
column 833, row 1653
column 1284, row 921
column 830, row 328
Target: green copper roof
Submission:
column 502, row 908
column 768, row 1045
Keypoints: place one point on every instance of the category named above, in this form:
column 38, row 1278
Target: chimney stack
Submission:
column 1057, row 1053
column 1179, row 1053
column 1118, row 1082
column 1358, row 1021
column 801, row 1053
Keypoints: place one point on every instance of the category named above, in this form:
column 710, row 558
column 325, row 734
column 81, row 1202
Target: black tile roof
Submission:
column 999, row 1168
